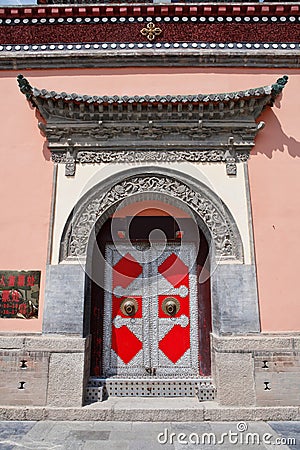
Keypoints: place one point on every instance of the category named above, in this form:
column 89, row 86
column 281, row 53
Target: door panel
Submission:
column 125, row 336
column 175, row 336
column 154, row 338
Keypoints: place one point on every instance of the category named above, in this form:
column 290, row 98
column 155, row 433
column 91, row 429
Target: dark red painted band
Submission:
column 171, row 32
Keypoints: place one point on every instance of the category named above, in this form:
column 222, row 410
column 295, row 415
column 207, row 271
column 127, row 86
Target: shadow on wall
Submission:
column 40, row 119
column 273, row 138
column 46, row 151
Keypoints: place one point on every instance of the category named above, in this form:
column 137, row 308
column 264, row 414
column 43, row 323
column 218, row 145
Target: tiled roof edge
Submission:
column 273, row 90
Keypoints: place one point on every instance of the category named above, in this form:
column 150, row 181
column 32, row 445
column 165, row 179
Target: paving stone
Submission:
column 140, row 427
column 39, row 429
column 191, row 427
column 149, row 445
column 42, row 445
column 191, row 446
column 11, row 434
column 221, row 447
column 9, row 429
column 288, row 430
column 64, row 429
column 58, row 435
column 90, row 435
column 112, row 426
column 78, row 445
column 147, row 435
column 106, row 445
column 136, row 436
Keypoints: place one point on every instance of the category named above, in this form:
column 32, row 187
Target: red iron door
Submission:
column 151, row 312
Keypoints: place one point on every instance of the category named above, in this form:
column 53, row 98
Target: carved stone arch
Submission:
column 102, row 199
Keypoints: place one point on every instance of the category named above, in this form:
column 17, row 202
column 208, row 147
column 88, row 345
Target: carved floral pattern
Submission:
column 90, row 157
column 223, row 236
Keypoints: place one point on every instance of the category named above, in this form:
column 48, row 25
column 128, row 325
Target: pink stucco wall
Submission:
column 274, row 171
column 26, row 173
column 25, row 180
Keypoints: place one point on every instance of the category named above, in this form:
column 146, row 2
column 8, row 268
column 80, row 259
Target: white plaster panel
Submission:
column 232, row 190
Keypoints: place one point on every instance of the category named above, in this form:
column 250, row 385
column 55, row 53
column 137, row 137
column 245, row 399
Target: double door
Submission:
column 150, row 311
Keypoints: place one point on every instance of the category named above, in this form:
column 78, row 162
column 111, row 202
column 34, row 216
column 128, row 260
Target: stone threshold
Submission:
column 151, row 410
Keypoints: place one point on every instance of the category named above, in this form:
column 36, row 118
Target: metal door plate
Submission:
column 149, row 387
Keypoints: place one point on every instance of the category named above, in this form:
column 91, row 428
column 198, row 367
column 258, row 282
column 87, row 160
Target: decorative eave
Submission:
column 72, row 8
column 199, row 128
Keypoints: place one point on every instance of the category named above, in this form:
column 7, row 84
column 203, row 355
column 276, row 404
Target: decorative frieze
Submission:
column 131, row 156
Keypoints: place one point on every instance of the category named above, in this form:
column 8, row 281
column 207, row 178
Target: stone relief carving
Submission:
column 225, row 237
column 145, row 130
column 70, row 165
column 121, row 156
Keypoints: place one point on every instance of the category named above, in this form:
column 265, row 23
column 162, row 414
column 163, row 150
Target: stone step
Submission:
column 138, row 409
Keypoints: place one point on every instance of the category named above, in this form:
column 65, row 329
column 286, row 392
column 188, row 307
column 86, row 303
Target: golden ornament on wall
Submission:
column 150, row 31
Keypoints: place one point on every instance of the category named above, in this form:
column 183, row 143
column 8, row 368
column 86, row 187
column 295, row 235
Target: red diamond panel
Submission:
column 125, row 271
column 125, row 343
column 175, row 343
column 174, row 270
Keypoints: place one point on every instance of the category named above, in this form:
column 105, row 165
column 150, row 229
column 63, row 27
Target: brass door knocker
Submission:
column 129, row 306
column 170, row 306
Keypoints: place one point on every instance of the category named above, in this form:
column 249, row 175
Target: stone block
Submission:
column 12, row 342
column 12, row 413
column 234, row 299
column 55, row 343
column 64, row 299
column 235, row 379
column 66, row 372
column 35, row 413
column 220, row 414
column 261, row 342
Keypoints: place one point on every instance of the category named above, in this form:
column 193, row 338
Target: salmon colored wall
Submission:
column 274, row 171
column 26, row 173
column 25, row 180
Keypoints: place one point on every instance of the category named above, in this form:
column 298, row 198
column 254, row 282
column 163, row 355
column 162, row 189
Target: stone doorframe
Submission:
column 233, row 283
